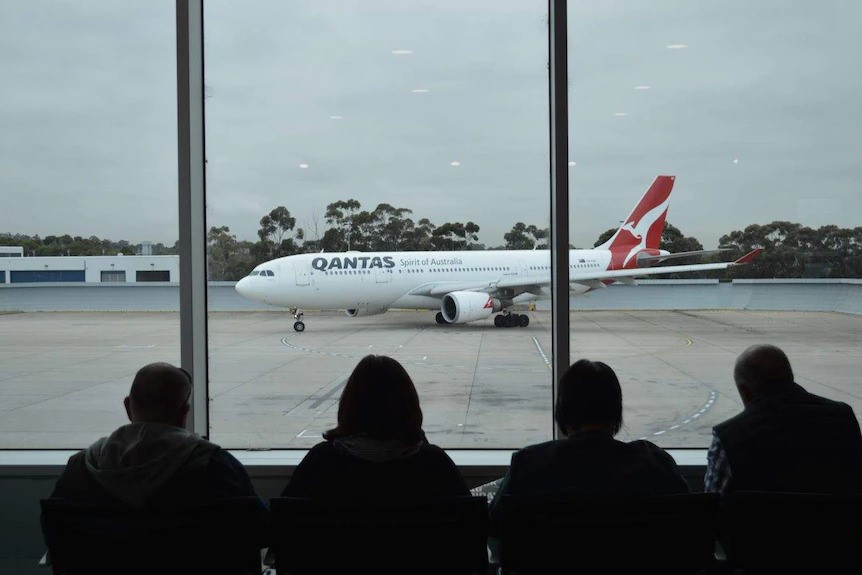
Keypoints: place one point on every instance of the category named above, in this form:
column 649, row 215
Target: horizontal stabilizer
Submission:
column 749, row 257
column 646, row 258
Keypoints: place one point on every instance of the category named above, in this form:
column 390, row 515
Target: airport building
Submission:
column 88, row 269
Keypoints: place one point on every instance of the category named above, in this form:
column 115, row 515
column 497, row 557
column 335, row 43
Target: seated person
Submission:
column 785, row 439
column 378, row 450
column 589, row 412
column 154, row 459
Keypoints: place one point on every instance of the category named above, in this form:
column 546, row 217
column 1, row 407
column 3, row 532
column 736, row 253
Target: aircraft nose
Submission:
column 243, row 288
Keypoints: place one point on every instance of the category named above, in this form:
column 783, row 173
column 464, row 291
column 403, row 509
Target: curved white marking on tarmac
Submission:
column 712, row 398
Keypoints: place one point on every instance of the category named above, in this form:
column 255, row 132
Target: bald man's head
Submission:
column 761, row 370
column 160, row 394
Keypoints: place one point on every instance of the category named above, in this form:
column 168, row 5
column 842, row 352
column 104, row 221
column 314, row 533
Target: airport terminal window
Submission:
column 354, row 136
column 761, row 133
column 153, row 276
column 753, row 107
column 88, row 168
column 40, row 276
column 113, row 276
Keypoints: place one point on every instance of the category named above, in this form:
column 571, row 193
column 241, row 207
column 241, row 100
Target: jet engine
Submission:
column 464, row 306
column 364, row 311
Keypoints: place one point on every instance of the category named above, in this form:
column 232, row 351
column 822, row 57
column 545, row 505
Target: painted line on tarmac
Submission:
column 711, row 399
column 285, row 341
column 542, row 352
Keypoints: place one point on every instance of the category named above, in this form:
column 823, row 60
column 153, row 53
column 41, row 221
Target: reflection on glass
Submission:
column 389, row 153
column 88, row 175
column 754, row 109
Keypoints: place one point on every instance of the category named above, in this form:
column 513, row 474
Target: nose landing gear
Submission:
column 508, row 319
column 298, row 325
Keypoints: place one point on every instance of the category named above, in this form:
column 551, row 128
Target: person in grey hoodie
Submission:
column 153, row 459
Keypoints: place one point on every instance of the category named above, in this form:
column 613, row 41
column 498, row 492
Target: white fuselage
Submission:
column 381, row 280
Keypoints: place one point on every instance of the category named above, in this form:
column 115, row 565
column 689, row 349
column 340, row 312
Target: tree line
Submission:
column 791, row 250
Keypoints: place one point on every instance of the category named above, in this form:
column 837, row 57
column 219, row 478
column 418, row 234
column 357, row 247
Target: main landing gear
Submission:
column 511, row 320
column 298, row 325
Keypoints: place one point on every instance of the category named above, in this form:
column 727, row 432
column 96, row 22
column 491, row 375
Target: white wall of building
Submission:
column 93, row 266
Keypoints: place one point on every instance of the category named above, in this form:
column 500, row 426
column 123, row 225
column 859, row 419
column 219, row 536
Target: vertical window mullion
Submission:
column 192, row 203
column 559, row 144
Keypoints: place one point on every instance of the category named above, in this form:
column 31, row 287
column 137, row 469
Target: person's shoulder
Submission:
column 323, row 450
column 730, row 422
column 648, row 450
column 646, row 446
column 222, row 460
column 825, row 401
column 435, row 452
column 538, row 450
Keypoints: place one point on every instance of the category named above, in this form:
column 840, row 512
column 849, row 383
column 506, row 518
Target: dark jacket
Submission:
column 144, row 463
column 590, row 462
column 793, row 441
column 328, row 471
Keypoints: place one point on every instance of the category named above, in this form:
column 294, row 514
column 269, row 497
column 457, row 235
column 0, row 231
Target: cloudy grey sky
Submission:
column 758, row 115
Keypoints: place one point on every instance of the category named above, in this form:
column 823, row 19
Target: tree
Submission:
column 791, row 250
column 221, row 246
column 454, row 236
column 524, row 237
column 340, row 215
column 391, row 227
column 418, row 238
column 274, row 234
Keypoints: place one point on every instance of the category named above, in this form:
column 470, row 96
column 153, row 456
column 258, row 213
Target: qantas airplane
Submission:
column 469, row 286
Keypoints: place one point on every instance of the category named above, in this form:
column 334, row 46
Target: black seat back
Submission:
column 437, row 536
column 220, row 537
column 566, row 533
column 769, row 532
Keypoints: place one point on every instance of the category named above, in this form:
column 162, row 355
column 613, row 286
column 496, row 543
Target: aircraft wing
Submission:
column 590, row 278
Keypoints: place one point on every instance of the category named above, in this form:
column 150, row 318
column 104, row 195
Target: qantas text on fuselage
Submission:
column 469, row 286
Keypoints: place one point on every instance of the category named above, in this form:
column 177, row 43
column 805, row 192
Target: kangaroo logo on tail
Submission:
column 644, row 226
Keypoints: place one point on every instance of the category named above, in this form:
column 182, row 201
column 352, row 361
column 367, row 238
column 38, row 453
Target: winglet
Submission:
column 749, row 257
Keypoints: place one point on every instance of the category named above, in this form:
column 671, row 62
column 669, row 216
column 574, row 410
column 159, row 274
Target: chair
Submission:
column 772, row 532
column 567, row 533
column 447, row 535
column 222, row 537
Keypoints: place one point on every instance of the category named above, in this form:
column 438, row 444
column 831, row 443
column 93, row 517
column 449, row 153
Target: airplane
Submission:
column 466, row 286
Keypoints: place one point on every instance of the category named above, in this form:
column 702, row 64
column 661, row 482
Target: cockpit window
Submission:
column 270, row 273
column 254, row 273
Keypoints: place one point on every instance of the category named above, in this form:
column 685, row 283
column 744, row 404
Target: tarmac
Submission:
column 63, row 376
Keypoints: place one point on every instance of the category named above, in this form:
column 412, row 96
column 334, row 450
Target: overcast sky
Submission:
column 758, row 115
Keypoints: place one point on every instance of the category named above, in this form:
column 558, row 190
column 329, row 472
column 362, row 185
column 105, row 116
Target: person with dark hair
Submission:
column 154, row 459
column 785, row 438
column 378, row 450
column 589, row 413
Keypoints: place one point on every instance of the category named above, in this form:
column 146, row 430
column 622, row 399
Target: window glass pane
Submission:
column 753, row 107
column 395, row 136
column 88, row 169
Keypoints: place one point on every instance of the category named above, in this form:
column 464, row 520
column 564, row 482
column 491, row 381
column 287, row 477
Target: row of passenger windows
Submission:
column 349, row 272
column 439, row 270
column 572, row 266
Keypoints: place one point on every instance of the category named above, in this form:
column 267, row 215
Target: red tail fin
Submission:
column 644, row 226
